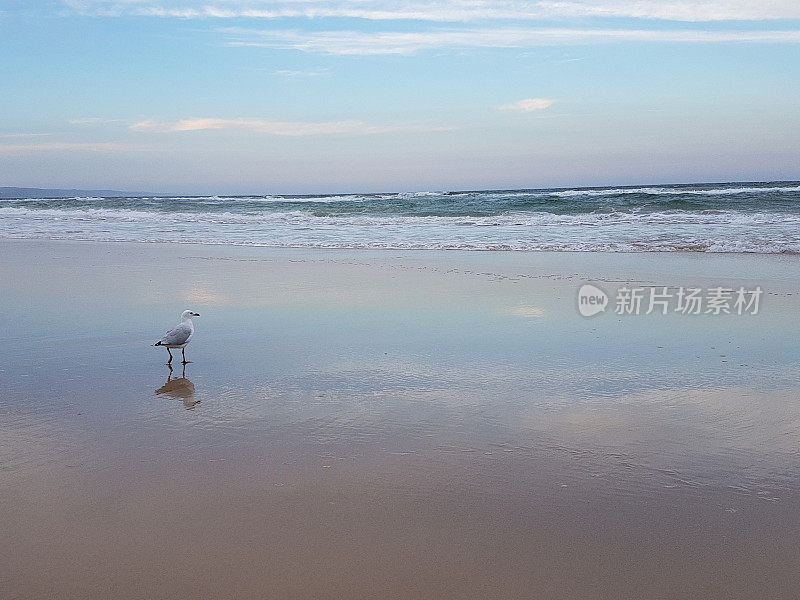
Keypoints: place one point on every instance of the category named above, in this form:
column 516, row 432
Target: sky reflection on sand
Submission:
column 410, row 409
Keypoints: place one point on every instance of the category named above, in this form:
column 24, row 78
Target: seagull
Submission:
column 180, row 336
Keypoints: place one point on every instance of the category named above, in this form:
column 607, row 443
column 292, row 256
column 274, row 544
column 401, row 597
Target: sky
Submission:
column 310, row 96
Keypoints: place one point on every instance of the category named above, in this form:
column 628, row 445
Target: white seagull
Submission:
column 180, row 336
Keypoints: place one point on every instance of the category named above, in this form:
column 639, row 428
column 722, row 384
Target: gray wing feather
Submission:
column 177, row 336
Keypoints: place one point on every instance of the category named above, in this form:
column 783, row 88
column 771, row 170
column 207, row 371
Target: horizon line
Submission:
column 132, row 194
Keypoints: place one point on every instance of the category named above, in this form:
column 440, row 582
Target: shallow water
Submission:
column 407, row 425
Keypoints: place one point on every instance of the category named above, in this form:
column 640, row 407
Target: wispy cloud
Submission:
column 98, row 147
column 16, row 136
column 93, row 121
column 279, row 128
column 448, row 10
column 528, row 312
column 528, row 105
column 375, row 43
column 301, row 74
column 686, row 10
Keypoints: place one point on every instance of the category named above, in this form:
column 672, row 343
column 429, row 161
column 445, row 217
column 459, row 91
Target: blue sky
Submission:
column 305, row 96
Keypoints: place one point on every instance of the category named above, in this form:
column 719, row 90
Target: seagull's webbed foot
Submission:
column 185, row 362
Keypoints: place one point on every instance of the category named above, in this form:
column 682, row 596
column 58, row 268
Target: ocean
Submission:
column 726, row 217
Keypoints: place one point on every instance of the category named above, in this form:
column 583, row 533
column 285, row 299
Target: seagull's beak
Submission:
column 196, row 314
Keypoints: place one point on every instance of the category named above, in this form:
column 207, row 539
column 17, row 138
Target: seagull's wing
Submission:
column 177, row 336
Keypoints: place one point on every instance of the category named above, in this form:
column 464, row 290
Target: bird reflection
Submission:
column 179, row 388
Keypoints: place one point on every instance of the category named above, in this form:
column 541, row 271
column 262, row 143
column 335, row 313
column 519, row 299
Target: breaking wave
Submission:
column 762, row 218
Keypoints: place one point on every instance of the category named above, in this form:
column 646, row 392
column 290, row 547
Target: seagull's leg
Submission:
column 169, row 362
column 183, row 353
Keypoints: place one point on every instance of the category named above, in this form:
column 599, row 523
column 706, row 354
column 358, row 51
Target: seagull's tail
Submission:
column 157, row 344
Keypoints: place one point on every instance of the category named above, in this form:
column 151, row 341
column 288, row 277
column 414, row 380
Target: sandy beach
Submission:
column 393, row 424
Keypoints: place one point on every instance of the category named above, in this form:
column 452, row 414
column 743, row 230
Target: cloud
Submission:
column 295, row 74
column 405, row 43
column 99, row 147
column 15, row 136
column 279, row 128
column 526, row 312
column 92, row 121
column 688, row 10
column 447, row 10
column 528, row 105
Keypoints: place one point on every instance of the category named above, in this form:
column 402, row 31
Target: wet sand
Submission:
column 385, row 424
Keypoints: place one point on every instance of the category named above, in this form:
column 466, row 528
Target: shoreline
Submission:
column 402, row 249
column 783, row 267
